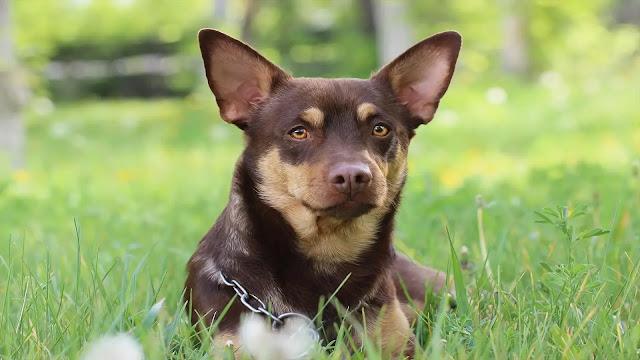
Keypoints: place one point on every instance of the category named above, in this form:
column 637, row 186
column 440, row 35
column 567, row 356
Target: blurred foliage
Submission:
column 576, row 38
column 571, row 36
column 45, row 26
column 104, row 29
column 311, row 38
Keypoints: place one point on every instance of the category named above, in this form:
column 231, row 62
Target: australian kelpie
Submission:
column 316, row 189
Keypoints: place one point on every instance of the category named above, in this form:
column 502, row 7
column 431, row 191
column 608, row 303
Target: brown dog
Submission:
column 316, row 189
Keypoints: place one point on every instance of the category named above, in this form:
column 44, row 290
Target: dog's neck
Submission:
column 261, row 235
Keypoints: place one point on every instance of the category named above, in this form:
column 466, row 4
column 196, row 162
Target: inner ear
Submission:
column 420, row 76
column 239, row 77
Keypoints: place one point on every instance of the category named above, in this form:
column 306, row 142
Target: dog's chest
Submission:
column 301, row 287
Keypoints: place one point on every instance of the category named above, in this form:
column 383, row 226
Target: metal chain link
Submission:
column 246, row 297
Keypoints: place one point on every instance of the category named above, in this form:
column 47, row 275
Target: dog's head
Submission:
column 336, row 148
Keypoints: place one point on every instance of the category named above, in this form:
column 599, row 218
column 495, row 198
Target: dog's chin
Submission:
column 346, row 210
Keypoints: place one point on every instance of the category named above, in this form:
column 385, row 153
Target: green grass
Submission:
column 117, row 195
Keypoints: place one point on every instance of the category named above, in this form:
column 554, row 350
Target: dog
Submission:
column 316, row 189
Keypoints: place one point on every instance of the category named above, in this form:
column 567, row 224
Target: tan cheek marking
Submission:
column 396, row 173
column 384, row 167
column 380, row 183
column 365, row 110
column 275, row 191
column 313, row 116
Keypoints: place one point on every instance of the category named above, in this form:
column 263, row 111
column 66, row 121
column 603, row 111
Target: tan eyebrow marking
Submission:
column 365, row 110
column 313, row 116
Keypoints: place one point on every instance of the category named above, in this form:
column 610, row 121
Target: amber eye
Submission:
column 298, row 133
column 380, row 130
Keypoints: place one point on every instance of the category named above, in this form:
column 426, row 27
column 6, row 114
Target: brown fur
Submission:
column 304, row 214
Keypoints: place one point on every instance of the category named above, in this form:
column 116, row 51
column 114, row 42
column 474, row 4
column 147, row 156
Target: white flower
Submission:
column 551, row 79
column 447, row 118
column 263, row 343
column 114, row 347
column 60, row 130
column 42, row 106
column 496, row 95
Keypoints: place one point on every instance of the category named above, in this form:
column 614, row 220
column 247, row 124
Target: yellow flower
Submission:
column 411, row 165
column 450, row 179
column 21, row 176
column 125, row 175
column 635, row 140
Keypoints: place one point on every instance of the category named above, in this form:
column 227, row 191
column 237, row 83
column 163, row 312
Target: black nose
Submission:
column 350, row 178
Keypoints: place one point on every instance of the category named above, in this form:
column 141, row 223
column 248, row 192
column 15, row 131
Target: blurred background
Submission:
column 112, row 148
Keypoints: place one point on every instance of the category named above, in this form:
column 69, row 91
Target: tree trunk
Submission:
column 220, row 10
column 393, row 30
column 368, row 11
column 11, row 130
column 247, row 23
column 627, row 12
column 515, row 58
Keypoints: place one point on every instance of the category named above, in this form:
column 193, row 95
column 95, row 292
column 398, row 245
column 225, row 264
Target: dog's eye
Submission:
column 380, row 130
column 298, row 133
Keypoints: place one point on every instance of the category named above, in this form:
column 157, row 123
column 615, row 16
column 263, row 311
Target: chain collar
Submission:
column 277, row 321
column 246, row 298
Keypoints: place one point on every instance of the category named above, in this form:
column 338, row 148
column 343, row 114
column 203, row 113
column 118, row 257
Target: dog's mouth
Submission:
column 346, row 210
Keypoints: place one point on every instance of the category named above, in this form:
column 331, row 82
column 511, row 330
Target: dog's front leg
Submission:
column 393, row 331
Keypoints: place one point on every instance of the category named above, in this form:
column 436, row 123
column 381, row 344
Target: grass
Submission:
column 117, row 195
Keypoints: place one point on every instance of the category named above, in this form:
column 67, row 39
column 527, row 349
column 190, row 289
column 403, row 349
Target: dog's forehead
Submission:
column 330, row 96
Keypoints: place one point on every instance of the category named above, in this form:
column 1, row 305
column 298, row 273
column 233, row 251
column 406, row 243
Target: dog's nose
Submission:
column 350, row 178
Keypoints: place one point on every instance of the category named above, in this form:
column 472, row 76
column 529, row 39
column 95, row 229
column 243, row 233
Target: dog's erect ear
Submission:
column 421, row 75
column 237, row 74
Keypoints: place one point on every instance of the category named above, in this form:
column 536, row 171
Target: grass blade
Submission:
column 458, row 280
